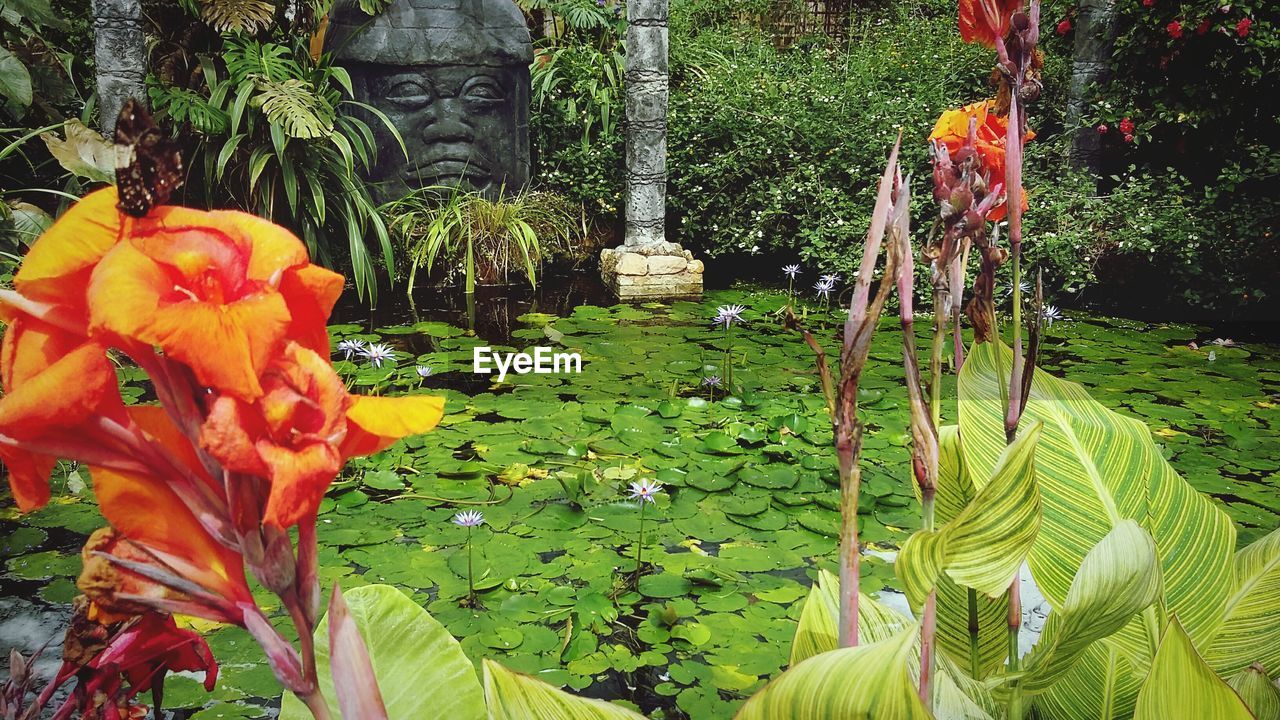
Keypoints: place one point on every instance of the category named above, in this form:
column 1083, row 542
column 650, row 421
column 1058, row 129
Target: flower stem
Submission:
column 471, row 574
column 639, row 547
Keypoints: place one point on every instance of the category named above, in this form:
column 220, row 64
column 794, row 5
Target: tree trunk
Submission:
column 1090, row 67
column 120, row 52
column 646, row 121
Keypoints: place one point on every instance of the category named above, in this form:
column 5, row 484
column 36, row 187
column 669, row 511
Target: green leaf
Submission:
column 421, row 669
column 1094, row 469
column 983, row 546
column 868, row 681
column 1181, row 685
column 84, row 153
column 1258, row 692
column 515, row 696
column 15, row 82
column 1119, row 578
column 955, row 491
column 816, row 632
column 957, row 696
column 245, row 15
column 1251, row 627
column 295, row 106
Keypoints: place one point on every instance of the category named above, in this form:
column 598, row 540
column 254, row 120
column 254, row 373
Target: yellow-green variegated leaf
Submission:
column 1258, row 691
column 957, row 697
column 1101, row 685
column 516, row 696
column 1119, row 578
column 1181, row 685
column 955, row 490
column 1095, row 468
column 983, row 546
column 870, row 681
column 817, row 633
column 1250, row 631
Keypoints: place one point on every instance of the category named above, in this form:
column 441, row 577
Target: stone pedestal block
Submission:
column 656, row 271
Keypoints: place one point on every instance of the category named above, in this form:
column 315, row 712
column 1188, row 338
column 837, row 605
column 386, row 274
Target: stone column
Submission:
column 646, row 266
column 1090, row 65
column 120, row 52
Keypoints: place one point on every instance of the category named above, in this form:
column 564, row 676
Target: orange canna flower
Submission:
column 161, row 532
column 952, row 129
column 188, row 281
column 57, row 267
column 303, row 428
column 56, row 386
column 982, row 21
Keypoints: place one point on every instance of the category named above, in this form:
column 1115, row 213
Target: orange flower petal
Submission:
column 62, row 396
column 226, row 437
column 374, row 423
column 299, row 478
column 28, row 476
column 155, row 422
column 146, row 510
column 244, row 334
column 311, row 292
column 30, row 347
column 71, row 246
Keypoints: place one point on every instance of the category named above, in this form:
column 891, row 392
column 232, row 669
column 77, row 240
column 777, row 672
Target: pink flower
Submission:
column 1064, row 27
column 1126, row 126
column 1128, row 138
column 1242, row 27
column 1174, row 29
column 1102, row 128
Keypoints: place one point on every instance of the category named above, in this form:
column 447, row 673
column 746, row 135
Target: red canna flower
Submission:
column 1242, row 27
column 1126, row 126
column 1174, row 29
column 1064, row 27
column 982, row 21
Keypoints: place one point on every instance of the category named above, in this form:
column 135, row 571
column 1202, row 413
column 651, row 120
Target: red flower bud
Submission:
column 1102, row 129
column 1128, row 138
column 1242, row 27
column 1064, row 27
column 1203, row 27
column 1174, row 29
column 1148, row 3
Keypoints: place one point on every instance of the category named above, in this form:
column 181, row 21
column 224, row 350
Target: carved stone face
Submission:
column 460, row 124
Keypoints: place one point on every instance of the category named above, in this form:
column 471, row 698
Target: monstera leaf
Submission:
column 1181, row 685
column 515, row 696
column 1095, row 469
column 983, row 546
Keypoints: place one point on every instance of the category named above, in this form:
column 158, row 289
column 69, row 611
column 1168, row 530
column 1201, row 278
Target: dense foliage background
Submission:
column 773, row 151
column 772, row 144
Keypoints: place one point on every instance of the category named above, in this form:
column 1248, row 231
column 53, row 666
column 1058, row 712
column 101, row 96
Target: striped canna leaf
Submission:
column 1181, row 685
column 1250, row 631
column 1095, row 469
column 983, row 546
column 516, row 696
column 1119, row 578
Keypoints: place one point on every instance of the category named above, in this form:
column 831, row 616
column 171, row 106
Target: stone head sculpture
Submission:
column 453, row 77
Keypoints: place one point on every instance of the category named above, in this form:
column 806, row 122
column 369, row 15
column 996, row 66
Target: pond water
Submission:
column 750, row 509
